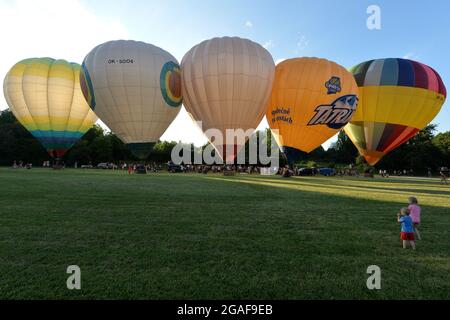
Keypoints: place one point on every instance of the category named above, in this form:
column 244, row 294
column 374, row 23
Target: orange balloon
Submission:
column 312, row 99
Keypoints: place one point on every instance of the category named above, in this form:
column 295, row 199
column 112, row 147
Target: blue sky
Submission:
column 336, row 30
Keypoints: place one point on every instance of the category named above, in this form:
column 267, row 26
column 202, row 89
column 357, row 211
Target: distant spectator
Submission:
column 444, row 175
column 286, row 173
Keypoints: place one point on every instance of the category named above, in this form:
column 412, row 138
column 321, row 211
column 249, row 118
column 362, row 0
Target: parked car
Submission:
column 105, row 165
column 86, row 166
column 102, row 165
column 141, row 169
column 173, row 168
column 307, row 172
column 328, row 172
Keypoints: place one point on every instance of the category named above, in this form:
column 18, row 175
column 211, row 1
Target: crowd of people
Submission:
column 350, row 172
column 21, row 165
column 205, row 169
column 285, row 171
column 139, row 168
column 403, row 172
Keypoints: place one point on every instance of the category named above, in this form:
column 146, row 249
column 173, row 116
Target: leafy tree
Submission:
column 162, row 151
column 80, row 153
column 418, row 153
column 442, row 142
column 17, row 144
column 119, row 151
column 343, row 150
column 362, row 165
column 423, row 151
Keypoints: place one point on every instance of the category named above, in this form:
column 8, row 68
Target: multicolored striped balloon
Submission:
column 45, row 96
column 397, row 98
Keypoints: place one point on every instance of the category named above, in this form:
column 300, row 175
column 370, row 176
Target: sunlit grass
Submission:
column 430, row 193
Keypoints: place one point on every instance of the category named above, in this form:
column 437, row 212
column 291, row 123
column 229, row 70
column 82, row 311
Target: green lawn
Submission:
column 182, row 236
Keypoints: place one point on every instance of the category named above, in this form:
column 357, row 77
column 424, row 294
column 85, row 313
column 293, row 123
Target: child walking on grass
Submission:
column 414, row 213
column 407, row 231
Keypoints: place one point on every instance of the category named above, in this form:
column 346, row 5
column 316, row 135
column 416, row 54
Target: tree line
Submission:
column 426, row 150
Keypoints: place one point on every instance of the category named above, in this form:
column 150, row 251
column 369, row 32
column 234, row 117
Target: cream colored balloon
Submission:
column 226, row 84
column 135, row 89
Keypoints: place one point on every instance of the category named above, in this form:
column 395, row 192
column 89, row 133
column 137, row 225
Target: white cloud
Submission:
column 63, row 29
column 411, row 55
column 268, row 44
column 249, row 24
column 67, row 29
column 279, row 60
column 303, row 43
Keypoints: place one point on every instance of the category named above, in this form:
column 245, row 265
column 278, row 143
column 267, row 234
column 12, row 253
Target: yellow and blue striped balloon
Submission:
column 45, row 96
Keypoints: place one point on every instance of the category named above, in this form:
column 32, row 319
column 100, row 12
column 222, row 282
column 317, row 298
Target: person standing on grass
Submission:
column 414, row 213
column 407, row 231
column 444, row 175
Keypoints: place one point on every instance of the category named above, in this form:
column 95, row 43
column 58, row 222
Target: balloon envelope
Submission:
column 135, row 89
column 226, row 85
column 312, row 99
column 398, row 98
column 44, row 95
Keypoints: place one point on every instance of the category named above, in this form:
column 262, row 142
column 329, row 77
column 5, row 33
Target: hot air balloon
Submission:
column 398, row 98
column 135, row 89
column 312, row 99
column 44, row 95
column 226, row 84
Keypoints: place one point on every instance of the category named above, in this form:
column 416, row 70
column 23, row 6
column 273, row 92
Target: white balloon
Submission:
column 226, row 84
column 135, row 89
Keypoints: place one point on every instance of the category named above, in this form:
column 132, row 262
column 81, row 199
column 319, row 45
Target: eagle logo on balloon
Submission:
column 337, row 114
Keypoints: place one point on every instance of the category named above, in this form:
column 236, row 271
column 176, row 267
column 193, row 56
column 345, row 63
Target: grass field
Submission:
column 184, row 236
